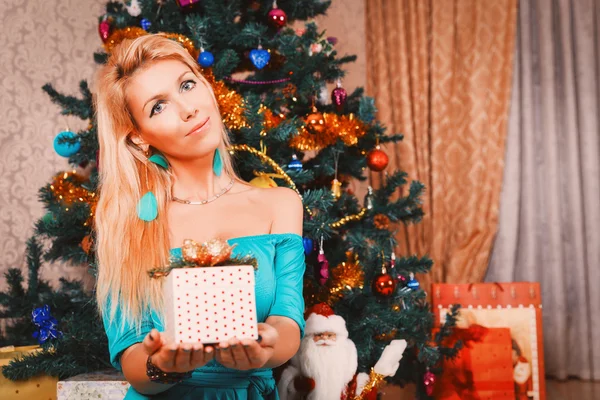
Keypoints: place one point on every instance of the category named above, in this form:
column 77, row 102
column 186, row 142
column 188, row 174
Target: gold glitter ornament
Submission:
column 264, row 180
column 346, row 276
column 381, row 221
column 206, row 254
column 336, row 188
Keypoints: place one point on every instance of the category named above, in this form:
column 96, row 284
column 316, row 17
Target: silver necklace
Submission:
column 201, row 202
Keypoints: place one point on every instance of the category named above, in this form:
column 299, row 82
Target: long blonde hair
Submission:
column 126, row 246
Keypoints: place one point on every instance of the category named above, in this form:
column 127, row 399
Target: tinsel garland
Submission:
column 66, row 188
column 374, row 382
column 348, row 128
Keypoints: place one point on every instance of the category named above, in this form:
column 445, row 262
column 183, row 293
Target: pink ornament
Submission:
column 338, row 96
column 429, row 381
column 324, row 270
column 315, row 48
column 104, row 29
column 323, row 263
column 186, row 3
column 277, row 18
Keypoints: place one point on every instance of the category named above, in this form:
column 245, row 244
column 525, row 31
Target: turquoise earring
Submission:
column 147, row 207
column 159, row 159
column 217, row 163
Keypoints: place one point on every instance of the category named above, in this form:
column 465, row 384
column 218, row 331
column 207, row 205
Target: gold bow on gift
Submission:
column 206, row 254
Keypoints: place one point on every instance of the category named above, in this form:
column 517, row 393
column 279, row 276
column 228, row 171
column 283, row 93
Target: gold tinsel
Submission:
column 381, row 221
column 345, row 127
column 374, row 382
column 133, row 32
column 66, row 187
column 346, row 276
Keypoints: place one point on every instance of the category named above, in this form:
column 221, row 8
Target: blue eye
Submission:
column 188, row 85
column 156, row 109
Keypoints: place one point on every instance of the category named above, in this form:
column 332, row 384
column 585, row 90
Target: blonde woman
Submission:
column 165, row 176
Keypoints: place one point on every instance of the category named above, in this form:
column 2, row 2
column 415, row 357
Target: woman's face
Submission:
column 174, row 111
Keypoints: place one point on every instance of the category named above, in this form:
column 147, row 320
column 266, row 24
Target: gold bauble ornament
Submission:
column 315, row 122
column 336, row 188
column 264, row 180
column 86, row 244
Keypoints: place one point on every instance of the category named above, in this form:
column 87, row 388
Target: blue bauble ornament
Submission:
column 145, row 24
column 66, row 149
column 295, row 164
column 206, row 59
column 412, row 283
column 260, row 57
column 308, row 245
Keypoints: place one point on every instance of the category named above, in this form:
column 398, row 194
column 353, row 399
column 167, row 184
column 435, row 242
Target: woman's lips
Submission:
column 201, row 127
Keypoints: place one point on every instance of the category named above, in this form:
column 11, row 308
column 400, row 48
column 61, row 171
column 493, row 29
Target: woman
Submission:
column 165, row 176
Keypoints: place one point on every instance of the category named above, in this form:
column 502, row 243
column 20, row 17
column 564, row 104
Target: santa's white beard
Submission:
column 331, row 367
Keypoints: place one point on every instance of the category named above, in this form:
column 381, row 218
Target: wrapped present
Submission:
column 481, row 370
column 210, row 304
column 41, row 387
column 106, row 385
column 516, row 306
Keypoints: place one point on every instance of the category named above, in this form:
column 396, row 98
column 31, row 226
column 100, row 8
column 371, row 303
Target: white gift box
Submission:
column 107, row 385
column 210, row 304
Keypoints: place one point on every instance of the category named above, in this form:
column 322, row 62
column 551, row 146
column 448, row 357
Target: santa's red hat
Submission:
column 320, row 318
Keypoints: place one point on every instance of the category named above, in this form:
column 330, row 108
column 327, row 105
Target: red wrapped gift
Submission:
column 516, row 306
column 482, row 368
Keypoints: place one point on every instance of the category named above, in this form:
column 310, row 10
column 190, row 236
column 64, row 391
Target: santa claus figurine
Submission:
column 325, row 366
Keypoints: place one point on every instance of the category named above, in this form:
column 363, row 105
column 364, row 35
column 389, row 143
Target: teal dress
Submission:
column 278, row 290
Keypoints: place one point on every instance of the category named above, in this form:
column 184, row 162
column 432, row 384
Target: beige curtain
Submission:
column 440, row 72
column 550, row 205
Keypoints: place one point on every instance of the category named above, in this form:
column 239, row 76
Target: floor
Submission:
column 555, row 390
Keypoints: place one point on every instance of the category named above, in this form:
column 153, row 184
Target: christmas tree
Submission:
column 269, row 80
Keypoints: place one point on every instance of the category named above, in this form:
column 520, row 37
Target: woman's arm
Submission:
column 281, row 333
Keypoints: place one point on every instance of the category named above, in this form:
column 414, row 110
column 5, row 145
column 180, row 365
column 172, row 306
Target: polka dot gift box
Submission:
column 210, row 304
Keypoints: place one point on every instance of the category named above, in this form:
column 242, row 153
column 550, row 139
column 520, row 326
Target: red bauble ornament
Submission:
column 338, row 96
column 429, row 381
column 277, row 18
column 104, row 29
column 377, row 160
column 384, row 285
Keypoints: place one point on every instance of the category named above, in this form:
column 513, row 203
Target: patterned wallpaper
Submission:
column 53, row 41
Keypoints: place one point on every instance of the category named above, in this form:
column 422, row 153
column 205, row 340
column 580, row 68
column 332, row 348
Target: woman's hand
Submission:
column 247, row 353
column 173, row 357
